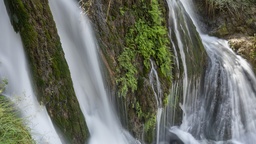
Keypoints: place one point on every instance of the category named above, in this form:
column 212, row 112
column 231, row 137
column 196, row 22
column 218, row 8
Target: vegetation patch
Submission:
column 130, row 34
column 128, row 64
column 147, row 38
column 12, row 128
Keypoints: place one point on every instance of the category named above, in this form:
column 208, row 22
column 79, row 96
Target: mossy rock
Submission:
column 50, row 72
column 221, row 31
column 114, row 22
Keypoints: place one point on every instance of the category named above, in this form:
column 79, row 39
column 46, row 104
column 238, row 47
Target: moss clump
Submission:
column 222, row 31
column 34, row 21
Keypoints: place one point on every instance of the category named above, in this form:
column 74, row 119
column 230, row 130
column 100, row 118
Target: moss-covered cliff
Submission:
column 130, row 33
column 34, row 21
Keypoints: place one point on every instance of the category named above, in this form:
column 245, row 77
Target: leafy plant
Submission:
column 148, row 39
column 128, row 80
column 150, row 123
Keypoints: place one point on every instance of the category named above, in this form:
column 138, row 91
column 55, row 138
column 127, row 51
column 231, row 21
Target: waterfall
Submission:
column 13, row 67
column 212, row 100
column 156, row 87
column 221, row 107
column 81, row 52
column 188, row 49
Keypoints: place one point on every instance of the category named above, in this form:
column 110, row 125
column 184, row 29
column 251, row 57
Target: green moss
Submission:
column 222, row 30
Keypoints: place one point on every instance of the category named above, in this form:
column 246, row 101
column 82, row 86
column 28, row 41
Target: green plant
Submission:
column 147, row 39
column 150, row 123
column 139, row 111
column 12, row 129
column 122, row 10
column 128, row 80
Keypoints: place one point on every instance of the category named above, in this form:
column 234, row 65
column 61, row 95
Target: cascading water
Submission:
column 13, row 67
column 189, row 55
column 221, row 107
column 218, row 105
column 156, row 87
column 81, row 53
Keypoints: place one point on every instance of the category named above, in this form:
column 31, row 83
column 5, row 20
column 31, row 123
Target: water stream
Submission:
column 156, row 87
column 81, row 52
column 13, row 67
column 222, row 109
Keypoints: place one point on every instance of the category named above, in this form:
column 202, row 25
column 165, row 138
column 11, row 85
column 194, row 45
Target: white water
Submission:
column 225, row 110
column 81, row 54
column 172, row 5
column 156, row 87
column 13, row 67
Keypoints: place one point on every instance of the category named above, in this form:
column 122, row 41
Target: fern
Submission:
column 148, row 39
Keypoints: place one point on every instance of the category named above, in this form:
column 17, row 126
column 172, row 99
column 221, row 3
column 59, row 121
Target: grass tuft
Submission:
column 12, row 129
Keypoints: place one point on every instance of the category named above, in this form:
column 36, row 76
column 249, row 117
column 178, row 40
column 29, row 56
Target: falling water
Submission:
column 189, row 50
column 222, row 108
column 81, row 51
column 156, row 87
column 13, row 67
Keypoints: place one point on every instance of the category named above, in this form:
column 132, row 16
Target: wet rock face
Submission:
column 34, row 21
column 112, row 20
